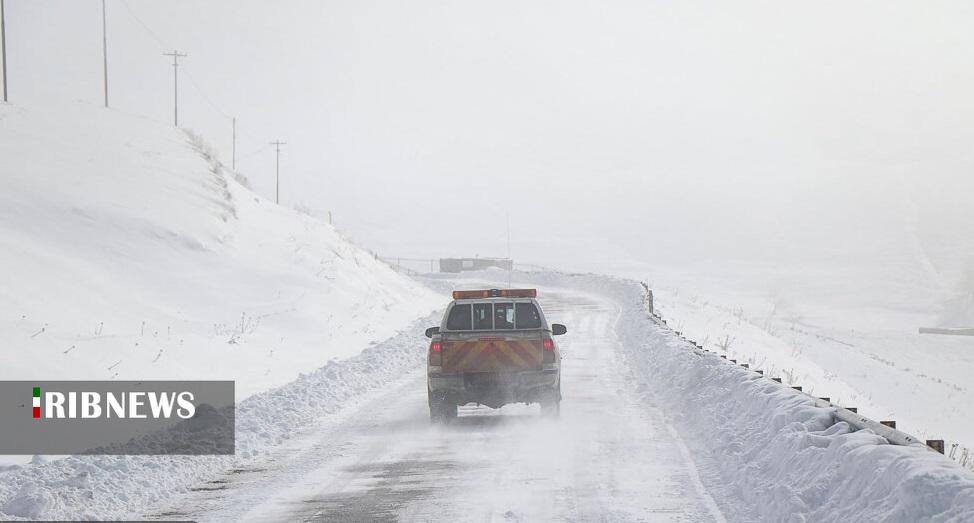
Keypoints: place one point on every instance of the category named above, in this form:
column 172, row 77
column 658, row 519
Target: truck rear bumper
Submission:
column 494, row 389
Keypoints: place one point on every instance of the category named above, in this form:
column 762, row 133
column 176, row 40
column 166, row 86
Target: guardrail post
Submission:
column 649, row 297
column 936, row 444
column 889, row 423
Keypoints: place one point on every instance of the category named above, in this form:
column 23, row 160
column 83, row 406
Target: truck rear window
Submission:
column 528, row 316
column 459, row 319
column 482, row 316
column 503, row 316
column 493, row 316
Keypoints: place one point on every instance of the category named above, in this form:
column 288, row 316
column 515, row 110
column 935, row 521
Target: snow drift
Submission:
column 123, row 487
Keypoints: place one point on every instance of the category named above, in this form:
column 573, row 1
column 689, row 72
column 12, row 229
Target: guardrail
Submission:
column 886, row 429
column 411, row 266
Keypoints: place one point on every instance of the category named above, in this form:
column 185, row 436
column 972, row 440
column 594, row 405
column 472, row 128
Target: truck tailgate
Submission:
column 493, row 352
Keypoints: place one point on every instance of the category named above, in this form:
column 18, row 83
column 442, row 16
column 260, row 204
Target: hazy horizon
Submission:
column 622, row 132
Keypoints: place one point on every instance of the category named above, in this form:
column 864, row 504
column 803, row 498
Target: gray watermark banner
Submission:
column 117, row 417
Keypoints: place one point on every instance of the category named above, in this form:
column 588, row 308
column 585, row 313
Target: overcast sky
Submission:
column 648, row 131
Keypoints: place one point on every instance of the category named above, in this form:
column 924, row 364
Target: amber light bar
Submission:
column 495, row 293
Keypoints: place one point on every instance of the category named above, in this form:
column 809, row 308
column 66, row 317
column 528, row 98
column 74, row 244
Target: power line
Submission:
column 207, row 99
column 236, row 129
column 104, row 48
column 176, row 55
column 255, row 152
column 243, row 132
column 215, row 107
column 155, row 36
column 148, row 31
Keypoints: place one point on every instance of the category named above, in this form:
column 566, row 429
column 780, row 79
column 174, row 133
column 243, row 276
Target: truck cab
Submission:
column 493, row 347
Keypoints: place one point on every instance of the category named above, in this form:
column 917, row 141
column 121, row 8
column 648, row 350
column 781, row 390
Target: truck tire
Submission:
column 551, row 403
column 442, row 408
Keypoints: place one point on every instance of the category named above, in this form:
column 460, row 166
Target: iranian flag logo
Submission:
column 37, row 402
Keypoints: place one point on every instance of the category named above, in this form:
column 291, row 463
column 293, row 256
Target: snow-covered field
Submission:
column 859, row 348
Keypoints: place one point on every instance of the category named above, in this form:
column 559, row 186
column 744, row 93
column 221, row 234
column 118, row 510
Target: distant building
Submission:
column 474, row 264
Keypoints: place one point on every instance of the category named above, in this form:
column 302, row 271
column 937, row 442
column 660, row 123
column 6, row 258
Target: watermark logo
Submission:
column 117, row 417
column 37, row 402
column 127, row 405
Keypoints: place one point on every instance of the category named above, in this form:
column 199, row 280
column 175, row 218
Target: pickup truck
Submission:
column 493, row 347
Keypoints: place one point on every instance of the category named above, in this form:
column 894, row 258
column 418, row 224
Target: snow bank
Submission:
column 113, row 487
column 868, row 356
column 786, row 457
column 775, row 449
column 129, row 252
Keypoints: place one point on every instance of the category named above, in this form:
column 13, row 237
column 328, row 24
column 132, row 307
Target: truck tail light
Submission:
column 436, row 353
column 548, row 354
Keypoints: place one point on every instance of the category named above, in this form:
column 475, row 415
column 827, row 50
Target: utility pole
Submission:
column 509, row 260
column 3, row 45
column 277, row 171
column 233, row 149
column 176, row 55
column 104, row 48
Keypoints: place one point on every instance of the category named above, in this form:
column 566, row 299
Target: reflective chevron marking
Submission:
column 492, row 354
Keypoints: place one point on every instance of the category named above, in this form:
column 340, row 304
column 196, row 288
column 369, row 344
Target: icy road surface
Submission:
column 608, row 457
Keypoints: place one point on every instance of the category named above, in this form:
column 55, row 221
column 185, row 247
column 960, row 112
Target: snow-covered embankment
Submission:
column 129, row 252
column 776, row 450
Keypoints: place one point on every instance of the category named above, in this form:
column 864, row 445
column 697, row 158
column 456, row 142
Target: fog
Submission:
column 613, row 136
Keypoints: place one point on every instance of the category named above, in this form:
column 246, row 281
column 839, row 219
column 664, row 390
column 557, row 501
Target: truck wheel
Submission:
column 442, row 409
column 551, row 404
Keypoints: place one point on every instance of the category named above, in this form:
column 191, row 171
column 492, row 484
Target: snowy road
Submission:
column 608, row 457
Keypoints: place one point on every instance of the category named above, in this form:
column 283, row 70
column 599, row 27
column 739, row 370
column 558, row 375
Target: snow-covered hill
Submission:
column 128, row 252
